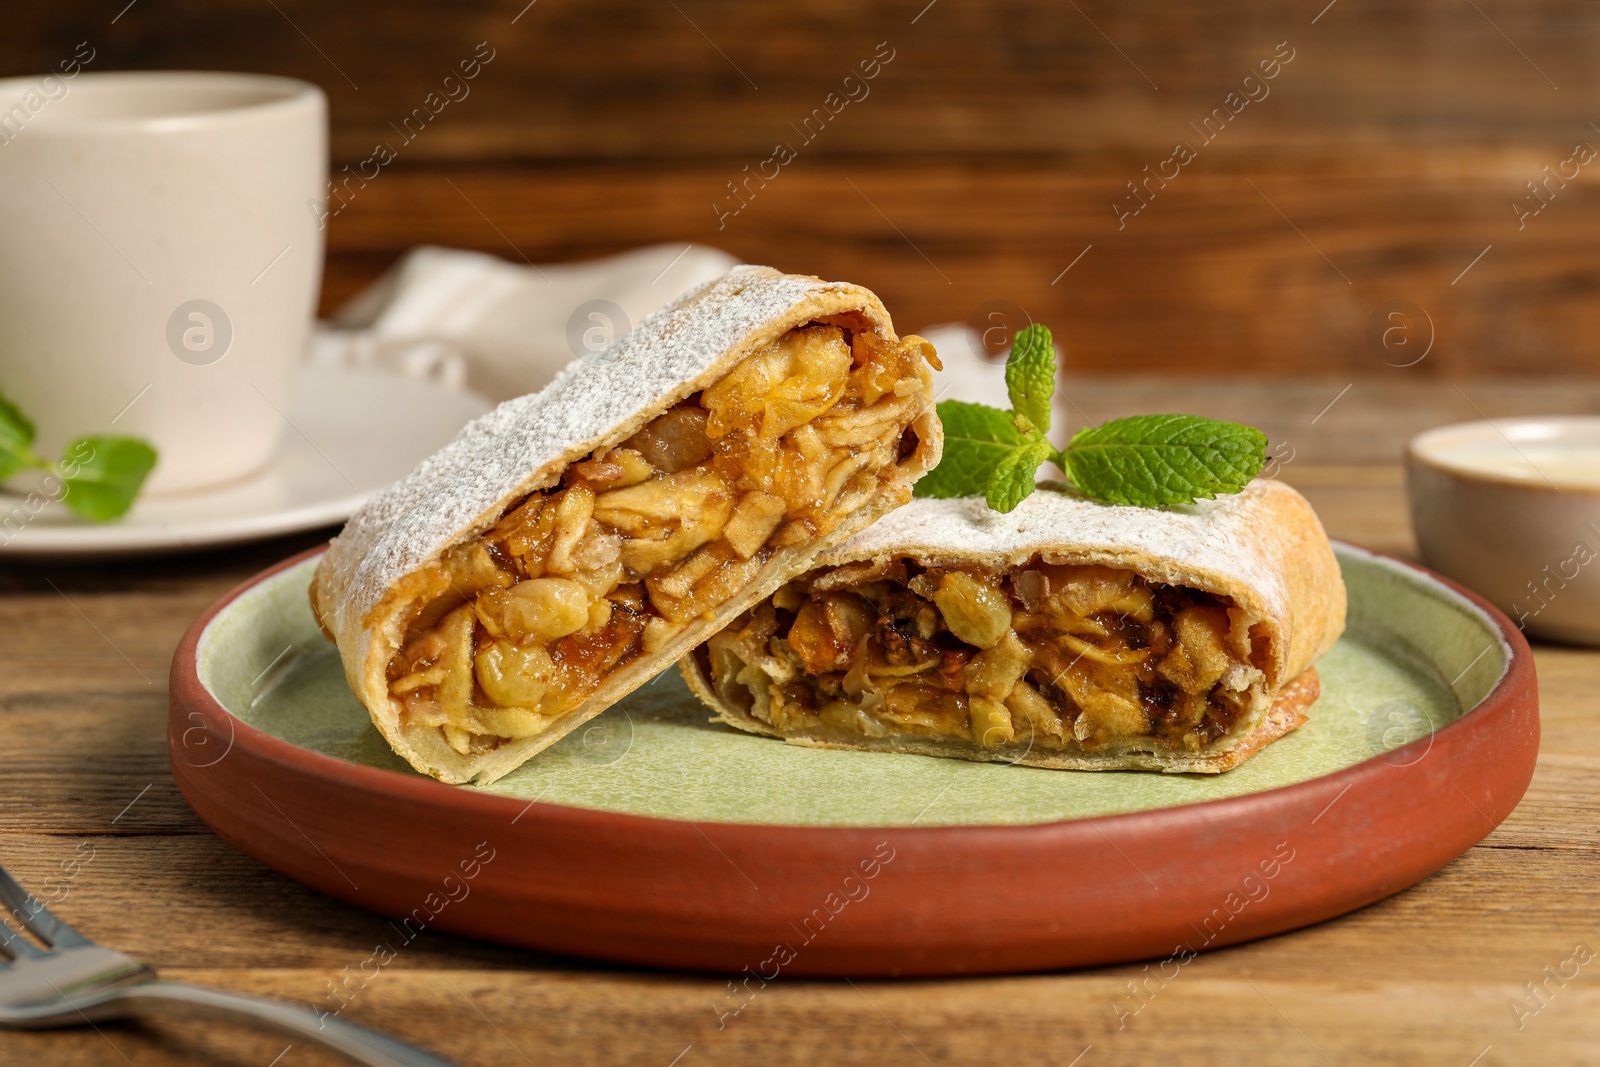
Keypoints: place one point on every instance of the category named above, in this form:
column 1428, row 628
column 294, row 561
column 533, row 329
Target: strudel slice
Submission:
column 1068, row 633
column 569, row 545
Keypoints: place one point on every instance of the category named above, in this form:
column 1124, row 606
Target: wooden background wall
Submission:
column 984, row 159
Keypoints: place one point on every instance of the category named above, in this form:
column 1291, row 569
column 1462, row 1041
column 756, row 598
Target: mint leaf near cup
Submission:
column 16, row 434
column 104, row 474
column 100, row 475
column 1147, row 460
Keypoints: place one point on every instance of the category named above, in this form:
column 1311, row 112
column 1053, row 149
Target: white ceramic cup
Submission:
column 160, row 255
column 1511, row 508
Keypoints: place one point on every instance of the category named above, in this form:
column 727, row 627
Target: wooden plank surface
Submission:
column 1426, row 977
column 1287, row 263
column 561, row 80
column 1377, row 164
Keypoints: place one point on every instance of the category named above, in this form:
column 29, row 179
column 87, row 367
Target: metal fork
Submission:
column 75, row 981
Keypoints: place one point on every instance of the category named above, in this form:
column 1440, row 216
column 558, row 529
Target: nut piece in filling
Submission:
column 1066, row 658
column 639, row 540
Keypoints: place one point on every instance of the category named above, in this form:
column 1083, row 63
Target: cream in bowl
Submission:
column 1511, row 508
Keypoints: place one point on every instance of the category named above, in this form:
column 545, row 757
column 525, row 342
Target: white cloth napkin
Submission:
column 501, row 329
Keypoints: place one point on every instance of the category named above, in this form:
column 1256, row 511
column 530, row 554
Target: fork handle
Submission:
column 359, row 1043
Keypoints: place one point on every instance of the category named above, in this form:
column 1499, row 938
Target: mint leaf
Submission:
column 102, row 475
column 1160, row 460
column 1031, row 375
column 16, row 434
column 1013, row 479
column 1146, row 461
column 976, row 439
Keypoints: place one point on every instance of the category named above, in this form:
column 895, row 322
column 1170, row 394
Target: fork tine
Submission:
column 13, row 944
column 30, row 912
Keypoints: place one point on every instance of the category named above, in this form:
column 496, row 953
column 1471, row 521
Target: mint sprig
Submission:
column 981, row 436
column 1159, row 460
column 1146, row 460
column 99, row 476
column 1013, row 479
column 1031, row 375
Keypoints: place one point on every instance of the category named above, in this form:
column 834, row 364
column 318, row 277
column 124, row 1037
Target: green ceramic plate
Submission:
column 653, row 836
column 1415, row 656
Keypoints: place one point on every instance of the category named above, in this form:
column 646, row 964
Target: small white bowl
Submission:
column 1511, row 508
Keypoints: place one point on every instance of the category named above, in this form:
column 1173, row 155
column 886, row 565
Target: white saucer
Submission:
column 350, row 433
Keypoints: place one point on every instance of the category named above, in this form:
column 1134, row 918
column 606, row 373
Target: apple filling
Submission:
column 1069, row 657
column 523, row 623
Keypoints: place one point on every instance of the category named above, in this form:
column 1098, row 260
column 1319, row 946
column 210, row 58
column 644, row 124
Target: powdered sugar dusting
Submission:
column 1210, row 544
column 521, row 445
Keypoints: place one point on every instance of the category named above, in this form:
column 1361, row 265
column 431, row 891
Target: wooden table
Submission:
column 1409, row 152
column 1429, row 976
